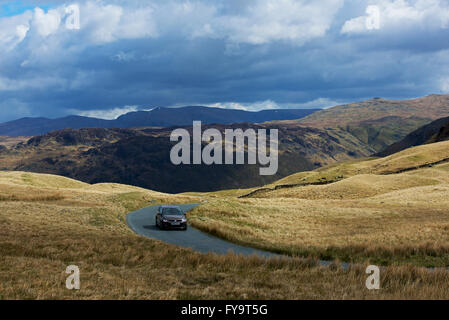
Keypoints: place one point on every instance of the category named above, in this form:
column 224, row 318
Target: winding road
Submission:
column 143, row 222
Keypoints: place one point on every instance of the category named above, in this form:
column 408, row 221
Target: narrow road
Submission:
column 143, row 222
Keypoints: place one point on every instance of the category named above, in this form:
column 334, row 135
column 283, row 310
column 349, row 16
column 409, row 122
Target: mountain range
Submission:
column 140, row 155
column 157, row 117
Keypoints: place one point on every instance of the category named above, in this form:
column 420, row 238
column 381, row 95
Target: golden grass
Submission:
column 385, row 229
column 366, row 215
column 42, row 234
column 360, row 186
column 412, row 158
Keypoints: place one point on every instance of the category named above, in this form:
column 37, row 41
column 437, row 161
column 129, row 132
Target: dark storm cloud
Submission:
column 248, row 54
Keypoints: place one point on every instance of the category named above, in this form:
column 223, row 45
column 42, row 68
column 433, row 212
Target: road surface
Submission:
column 143, row 222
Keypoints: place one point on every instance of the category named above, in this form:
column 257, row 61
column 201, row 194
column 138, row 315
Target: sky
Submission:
column 123, row 56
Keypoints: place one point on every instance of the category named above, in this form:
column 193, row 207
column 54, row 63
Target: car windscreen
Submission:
column 172, row 212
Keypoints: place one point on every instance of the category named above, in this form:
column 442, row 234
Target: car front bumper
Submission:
column 169, row 225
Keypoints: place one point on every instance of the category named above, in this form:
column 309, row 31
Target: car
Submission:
column 171, row 217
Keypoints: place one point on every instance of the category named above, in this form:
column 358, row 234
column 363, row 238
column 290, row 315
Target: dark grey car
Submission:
column 171, row 217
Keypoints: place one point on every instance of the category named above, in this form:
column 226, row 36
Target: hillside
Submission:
column 380, row 122
column 407, row 160
column 391, row 210
column 433, row 132
column 158, row 117
column 142, row 157
column 6, row 142
column 430, row 107
column 49, row 222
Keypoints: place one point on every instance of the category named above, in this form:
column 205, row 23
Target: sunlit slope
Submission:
column 430, row 107
column 392, row 210
column 40, row 184
column 405, row 160
column 43, row 198
column 379, row 123
column 364, row 185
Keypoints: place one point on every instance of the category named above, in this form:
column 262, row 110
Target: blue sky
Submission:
column 12, row 8
column 246, row 54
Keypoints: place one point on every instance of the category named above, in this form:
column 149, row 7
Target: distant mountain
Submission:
column 37, row 126
column 158, row 117
column 134, row 149
column 141, row 157
column 380, row 122
column 434, row 132
column 431, row 107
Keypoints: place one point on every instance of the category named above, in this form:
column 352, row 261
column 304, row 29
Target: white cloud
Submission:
column 108, row 114
column 320, row 103
column 109, row 23
column 13, row 31
column 21, row 32
column 256, row 106
column 265, row 21
column 272, row 105
column 253, row 22
column 444, row 85
column 46, row 23
column 396, row 15
column 137, row 24
column 356, row 25
column 100, row 23
column 58, row 69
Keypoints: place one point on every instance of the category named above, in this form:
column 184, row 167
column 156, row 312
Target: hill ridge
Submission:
column 157, row 117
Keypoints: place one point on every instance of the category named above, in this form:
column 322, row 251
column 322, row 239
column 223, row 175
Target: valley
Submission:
column 141, row 157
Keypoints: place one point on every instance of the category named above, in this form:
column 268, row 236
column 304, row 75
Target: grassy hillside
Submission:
column 410, row 159
column 49, row 222
column 421, row 156
column 391, row 210
column 430, row 107
column 379, row 122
